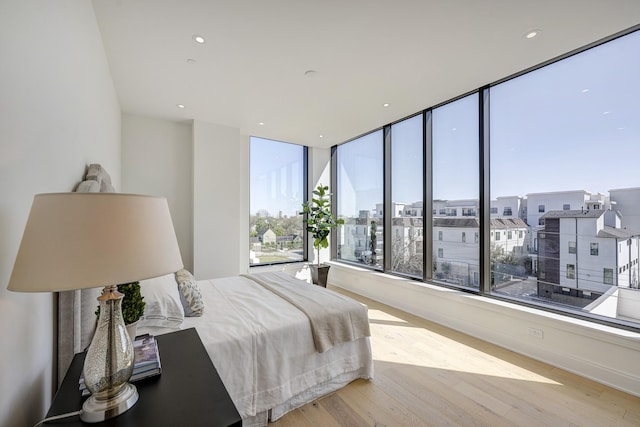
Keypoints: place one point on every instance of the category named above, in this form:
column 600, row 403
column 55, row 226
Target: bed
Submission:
column 276, row 341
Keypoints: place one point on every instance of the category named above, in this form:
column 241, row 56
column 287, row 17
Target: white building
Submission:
column 585, row 251
column 510, row 235
column 456, row 208
column 508, row 207
column 627, row 201
column 540, row 203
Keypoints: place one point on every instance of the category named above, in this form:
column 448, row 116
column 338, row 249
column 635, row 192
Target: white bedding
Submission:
column 264, row 351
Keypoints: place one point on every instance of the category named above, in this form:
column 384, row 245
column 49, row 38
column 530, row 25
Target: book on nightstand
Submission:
column 146, row 361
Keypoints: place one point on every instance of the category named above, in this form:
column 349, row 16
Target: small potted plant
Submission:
column 132, row 306
column 320, row 221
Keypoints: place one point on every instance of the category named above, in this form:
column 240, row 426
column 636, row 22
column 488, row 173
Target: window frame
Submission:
column 305, row 194
column 485, row 210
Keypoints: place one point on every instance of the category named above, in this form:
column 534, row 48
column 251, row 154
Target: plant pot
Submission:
column 132, row 329
column 319, row 274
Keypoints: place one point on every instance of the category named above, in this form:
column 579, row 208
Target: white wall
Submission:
column 157, row 160
column 220, row 201
column 58, row 113
column 319, row 166
column 604, row 354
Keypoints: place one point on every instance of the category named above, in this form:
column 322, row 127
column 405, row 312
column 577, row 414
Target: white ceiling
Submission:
column 412, row 54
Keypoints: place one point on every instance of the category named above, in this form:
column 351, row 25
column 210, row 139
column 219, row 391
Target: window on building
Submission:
column 360, row 186
column 476, row 237
column 572, row 247
column 607, row 276
column 277, row 191
column 443, row 211
column 541, row 208
column 506, row 212
column 571, row 271
column 566, row 207
column 594, row 248
column 520, row 234
column 464, row 237
column 540, row 221
column 440, row 253
column 440, row 235
column 497, row 235
column 509, row 235
column 494, row 211
column 406, row 158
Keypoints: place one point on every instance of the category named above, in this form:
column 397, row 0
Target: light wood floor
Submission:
column 429, row 375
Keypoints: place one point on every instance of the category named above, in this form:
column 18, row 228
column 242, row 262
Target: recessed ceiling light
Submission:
column 386, row 104
column 261, row 123
column 321, row 136
column 180, row 105
column 584, row 90
column 191, row 61
column 310, row 73
column 605, row 113
column 198, row 38
column 531, row 34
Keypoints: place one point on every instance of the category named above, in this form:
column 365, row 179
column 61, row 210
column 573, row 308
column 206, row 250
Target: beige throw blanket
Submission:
column 334, row 318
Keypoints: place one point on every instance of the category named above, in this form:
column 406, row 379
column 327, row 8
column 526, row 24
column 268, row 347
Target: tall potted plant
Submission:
column 320, row 221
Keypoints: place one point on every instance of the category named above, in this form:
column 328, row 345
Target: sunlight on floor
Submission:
column 417, row 346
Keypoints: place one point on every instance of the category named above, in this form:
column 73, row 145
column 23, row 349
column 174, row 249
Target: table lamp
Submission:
column 86, row 240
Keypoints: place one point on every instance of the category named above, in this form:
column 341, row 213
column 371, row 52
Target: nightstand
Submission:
column 189, row 391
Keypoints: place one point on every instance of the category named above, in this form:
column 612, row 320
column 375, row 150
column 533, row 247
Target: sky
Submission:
column 572, row 125
column 276, row 177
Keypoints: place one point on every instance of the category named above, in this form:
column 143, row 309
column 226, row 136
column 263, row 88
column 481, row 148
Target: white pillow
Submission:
column 163, row 307
column 190, row 294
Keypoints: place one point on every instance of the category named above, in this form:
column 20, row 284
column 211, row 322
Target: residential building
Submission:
column 586, row 253
column 627, row 201
column 508, row 207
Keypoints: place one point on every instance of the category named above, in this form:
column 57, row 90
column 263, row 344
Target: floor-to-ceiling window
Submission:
column 407, row 228
column 565, row 139
column 455, row 192
column 539, row 169
column 277, row 191
column 359, row 191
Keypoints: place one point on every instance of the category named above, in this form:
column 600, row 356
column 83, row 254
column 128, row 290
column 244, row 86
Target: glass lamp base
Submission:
column 96, row 409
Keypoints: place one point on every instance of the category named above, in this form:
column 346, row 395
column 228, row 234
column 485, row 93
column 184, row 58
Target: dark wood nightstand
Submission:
column 189, row 391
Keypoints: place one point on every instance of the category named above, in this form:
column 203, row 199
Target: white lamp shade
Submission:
column 86, row 240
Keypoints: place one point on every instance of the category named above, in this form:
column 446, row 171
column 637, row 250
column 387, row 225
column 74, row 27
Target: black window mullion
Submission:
column 334, row 201
column 305, row 195
column 387, row 211
column 485, row 196
column 427, row 189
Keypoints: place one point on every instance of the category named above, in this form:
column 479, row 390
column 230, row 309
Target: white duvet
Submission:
column 263, row 349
